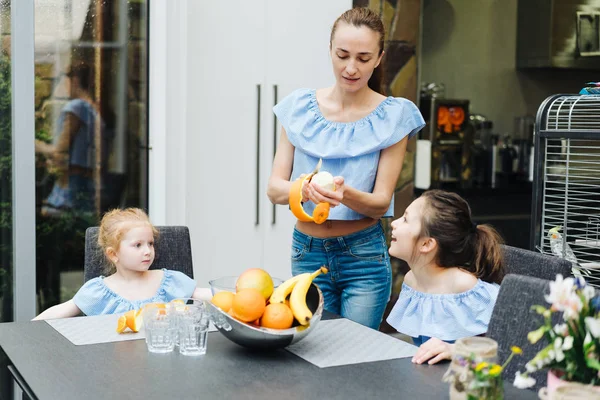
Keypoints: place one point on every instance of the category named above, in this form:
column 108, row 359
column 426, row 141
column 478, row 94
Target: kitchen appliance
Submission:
column 558, row 34
column 443, row 156
column 523, row 144
column 484, row 155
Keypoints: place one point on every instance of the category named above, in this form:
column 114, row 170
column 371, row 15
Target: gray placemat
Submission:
column 96, row 329
column 341, row 342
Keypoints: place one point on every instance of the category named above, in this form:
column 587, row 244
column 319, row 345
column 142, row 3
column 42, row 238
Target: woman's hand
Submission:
column 434, row 350
column 317, row 194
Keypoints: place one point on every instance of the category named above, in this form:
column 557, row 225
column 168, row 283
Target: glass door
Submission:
column 90, row 129
column 6, row 248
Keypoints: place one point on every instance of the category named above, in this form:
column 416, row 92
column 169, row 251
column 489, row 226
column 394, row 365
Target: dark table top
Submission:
column 54, row 368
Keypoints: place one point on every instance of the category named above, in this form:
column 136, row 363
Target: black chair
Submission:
column 530, row 263
column 512, row 319
column 173, row 251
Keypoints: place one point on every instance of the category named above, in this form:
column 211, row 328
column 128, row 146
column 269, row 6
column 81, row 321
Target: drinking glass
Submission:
column 160, row 327
column 192, row 323
column 179, row 305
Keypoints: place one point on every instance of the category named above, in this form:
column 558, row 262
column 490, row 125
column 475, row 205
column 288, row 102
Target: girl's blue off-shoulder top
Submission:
column 95, row 298
column 348, row 149
column 444, row 316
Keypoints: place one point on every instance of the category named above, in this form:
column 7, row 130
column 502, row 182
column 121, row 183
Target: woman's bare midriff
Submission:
column 334, row 228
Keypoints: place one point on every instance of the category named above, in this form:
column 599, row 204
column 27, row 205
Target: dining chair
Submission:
column 530, row 263
column 512, row 319
column 172, row 247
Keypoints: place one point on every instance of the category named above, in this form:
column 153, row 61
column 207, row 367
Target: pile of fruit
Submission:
column 257, row 303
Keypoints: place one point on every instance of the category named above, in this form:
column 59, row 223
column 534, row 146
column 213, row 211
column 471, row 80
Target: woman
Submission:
column 361, row 136
column 74, row 150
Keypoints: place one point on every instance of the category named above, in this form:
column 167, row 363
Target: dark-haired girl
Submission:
column 455, row 272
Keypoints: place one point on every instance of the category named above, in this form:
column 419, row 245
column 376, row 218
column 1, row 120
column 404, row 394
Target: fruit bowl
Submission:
column 227, row 284
column 265, row 338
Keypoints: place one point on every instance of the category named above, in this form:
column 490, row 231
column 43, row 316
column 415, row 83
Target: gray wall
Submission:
column 470, row 46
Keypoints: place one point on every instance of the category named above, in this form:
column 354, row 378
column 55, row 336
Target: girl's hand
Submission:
column 434, row 350
column 317, row 194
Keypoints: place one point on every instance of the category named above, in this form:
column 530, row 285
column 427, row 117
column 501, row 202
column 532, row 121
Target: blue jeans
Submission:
column 359, row 283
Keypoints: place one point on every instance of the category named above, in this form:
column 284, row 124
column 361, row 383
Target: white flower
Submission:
column 558, row 350
column 573, row 307
column 522, row 381
column 560, row 290
column 593, row 325
column 561, row 329
column 540, row 363
column 587, row 340
column 588, row 293
column 530, row 368
column 564, row 298
column 568, row 343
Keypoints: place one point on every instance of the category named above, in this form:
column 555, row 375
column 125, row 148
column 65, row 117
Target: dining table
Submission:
column 46, row 365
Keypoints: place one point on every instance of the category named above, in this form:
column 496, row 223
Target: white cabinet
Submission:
column 242, row 57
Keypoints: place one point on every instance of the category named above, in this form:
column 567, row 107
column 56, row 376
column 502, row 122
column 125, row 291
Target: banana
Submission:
column 282, row 291
column 298, row 297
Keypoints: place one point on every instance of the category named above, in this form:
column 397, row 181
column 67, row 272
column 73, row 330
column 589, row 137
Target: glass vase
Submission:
column 458, row 375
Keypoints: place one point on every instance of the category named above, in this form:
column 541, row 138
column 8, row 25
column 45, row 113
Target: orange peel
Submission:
column 121, row 324
column 321, row 211
column 134, row 320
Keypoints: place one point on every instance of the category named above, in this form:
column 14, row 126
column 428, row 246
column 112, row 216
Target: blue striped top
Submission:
column 444, row 316
column 348, row 149
column 95, row 298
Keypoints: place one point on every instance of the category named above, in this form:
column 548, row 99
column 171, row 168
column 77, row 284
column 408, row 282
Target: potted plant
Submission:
column 573, row 352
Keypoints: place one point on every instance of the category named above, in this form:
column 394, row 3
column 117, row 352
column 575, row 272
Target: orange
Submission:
column 321, row 211
column 277, row 316
column 248, row 304
column 121, row 324
column 134, row 319
column 256, row 278
column 223, row 300
column 157, row 305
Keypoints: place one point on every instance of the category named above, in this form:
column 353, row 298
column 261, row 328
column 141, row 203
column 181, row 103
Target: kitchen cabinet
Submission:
column 242, row 58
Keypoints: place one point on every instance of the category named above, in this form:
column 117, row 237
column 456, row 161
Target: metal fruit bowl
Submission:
column 265, row 338
column 227, row 284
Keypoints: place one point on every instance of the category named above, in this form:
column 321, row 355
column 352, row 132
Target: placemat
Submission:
column 96, row 329
column 342, row 342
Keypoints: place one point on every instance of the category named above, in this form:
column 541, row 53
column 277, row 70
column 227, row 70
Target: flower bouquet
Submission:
column 573, row 352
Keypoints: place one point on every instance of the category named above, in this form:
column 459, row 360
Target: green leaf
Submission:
column 593, row 363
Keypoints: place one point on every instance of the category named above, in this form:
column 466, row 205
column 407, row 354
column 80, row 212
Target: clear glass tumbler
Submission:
column 192, row 321
column 178, row 306
column 160, row 327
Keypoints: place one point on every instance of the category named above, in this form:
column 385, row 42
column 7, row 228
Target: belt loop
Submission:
column 310, row 238
column 342, row 242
